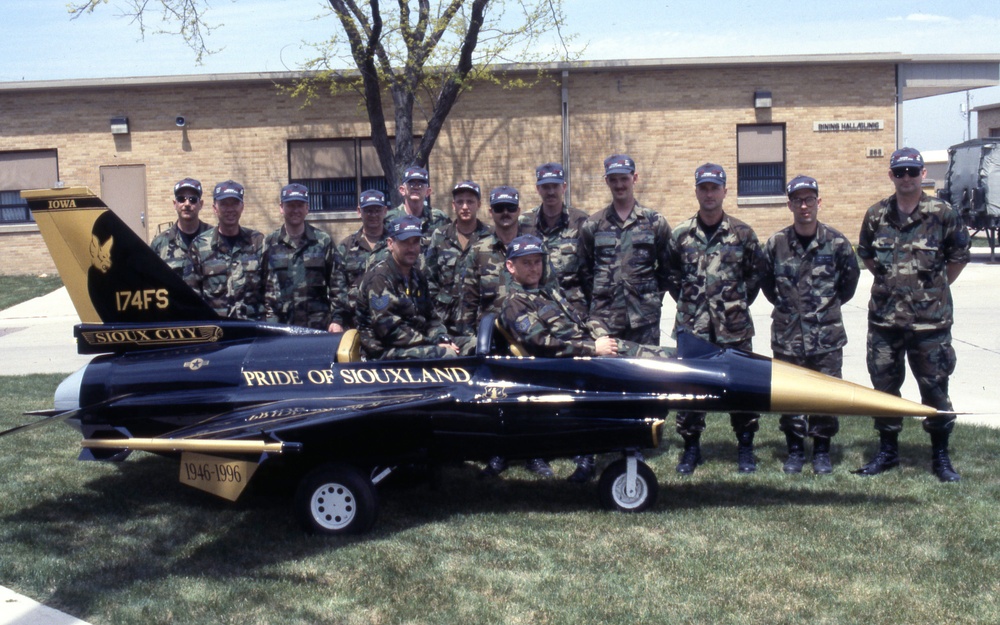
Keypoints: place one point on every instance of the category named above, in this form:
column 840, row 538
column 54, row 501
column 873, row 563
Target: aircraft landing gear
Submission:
column 628, row 485
column 336, row 499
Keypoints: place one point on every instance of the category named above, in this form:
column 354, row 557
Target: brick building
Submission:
column 987, row 120
column 765, row 119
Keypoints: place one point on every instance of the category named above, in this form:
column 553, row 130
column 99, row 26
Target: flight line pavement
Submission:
column 37, row 337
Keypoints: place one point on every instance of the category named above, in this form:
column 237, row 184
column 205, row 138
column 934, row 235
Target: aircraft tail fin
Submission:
column 111, row 274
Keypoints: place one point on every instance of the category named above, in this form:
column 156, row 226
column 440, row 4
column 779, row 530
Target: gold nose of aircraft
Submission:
column 798, row 390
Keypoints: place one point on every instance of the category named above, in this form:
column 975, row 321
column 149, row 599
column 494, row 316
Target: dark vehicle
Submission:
column 972, row 185
column 229, row 398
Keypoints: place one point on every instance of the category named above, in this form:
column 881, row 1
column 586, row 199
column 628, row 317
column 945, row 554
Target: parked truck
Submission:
column 972, row 185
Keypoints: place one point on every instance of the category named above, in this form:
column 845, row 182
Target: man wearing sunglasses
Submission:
column 172, row 244
column 916, row 246
column 485, row 283
column 811, row 272
column 415, row 189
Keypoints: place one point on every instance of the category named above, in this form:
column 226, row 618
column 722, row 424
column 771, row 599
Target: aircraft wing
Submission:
column 290, row 419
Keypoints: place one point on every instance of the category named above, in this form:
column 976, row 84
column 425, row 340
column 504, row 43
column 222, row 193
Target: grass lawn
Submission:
column 17, row 289
column 128, row 544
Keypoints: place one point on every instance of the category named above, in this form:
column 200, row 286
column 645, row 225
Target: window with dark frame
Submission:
column 760, row 158
column 335, row 171
column 24, row 169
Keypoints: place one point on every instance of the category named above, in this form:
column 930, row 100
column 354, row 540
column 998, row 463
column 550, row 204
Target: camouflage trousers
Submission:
column 830, row 363
column 466, row 345
column 646, row 335
column 932, row 361
column 693, row 423
column 630, row 349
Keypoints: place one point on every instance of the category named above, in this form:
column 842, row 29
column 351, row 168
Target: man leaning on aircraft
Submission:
column 396, row 318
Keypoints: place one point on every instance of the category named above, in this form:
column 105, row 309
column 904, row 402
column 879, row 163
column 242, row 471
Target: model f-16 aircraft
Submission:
column 230, row 397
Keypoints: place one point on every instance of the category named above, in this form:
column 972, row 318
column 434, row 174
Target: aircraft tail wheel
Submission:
column 336, row 499
column 617, row 493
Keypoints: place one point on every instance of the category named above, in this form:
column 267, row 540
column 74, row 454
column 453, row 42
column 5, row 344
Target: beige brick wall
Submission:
column 669, row 121
column 987, row 121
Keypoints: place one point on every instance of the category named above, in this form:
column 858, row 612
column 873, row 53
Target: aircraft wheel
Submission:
column 336, row 499
column 613, row 487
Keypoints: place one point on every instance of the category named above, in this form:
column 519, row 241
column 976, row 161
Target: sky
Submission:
column 42, row 42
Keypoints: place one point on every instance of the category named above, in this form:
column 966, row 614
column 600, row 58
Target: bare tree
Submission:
column 422, row 56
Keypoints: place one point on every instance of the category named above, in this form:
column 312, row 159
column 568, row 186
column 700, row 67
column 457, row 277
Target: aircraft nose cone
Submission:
column 799, row 390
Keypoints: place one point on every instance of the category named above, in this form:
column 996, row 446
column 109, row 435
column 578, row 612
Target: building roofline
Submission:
column 606, row 65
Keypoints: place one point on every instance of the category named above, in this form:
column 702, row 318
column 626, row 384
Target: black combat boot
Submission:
column 585, row 467
column 496, row 466
column 821, row 456
column 540, row 467
column 796, row 454
column 887, row 456
column 746, row 463
column 940, row 461
column 691, row 457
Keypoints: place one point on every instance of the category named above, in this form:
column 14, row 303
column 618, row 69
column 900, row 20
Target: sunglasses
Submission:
column 187, row 198
column 912, row 172
column 500, row 208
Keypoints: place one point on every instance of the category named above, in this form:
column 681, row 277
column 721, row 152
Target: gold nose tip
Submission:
column 799, row 390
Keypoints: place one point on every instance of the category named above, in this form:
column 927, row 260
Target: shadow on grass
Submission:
column 139, row 526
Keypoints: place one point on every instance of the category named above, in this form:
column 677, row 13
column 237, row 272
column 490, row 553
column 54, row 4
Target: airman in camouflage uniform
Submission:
column 369, row 243
column 716, row 265
column 225, row 261
column 299, row 268
column 415, row 189
column 915, row 246
column 395, row 316
column 624, row 253
column 172, row 244
column 449, row 247
column 542, row 319
column 811, row 272
column 558, row 225
column 485, row 282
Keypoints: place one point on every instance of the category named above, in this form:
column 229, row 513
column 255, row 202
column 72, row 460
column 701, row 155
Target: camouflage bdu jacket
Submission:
column 546, row 323
column 228, row 279
column 807, row 287
column 624, row 267
column 394, row 313
column 431, row 219
column 911, row 283
column 300, row 281
column 172, row 248
column 563, row 243
column 715, row 281
column 485, row 281
column 443, row 261
column 354, row 253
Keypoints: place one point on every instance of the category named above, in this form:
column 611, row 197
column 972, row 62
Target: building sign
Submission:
column 849, row 126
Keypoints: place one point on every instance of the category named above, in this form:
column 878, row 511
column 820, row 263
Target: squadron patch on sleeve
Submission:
column 522, row 325
column 379, row 302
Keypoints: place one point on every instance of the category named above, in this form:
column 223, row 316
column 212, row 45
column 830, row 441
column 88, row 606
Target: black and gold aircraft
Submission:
column 228, row 397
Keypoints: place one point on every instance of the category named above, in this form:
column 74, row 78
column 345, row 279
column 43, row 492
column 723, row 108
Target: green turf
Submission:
column 17, row 289
column 128, row 544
